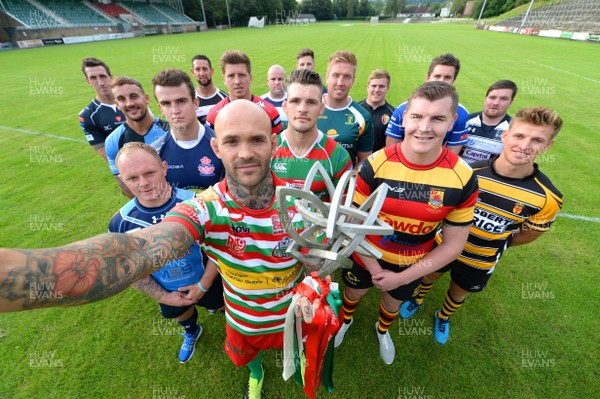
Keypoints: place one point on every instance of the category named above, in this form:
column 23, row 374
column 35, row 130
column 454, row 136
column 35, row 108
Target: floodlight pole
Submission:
column 481, row 12
column 228, row 18
column 525, row 18
column 203, row 14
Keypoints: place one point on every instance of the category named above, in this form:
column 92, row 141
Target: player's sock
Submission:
column 255, row 366
column 348, row 306
column 450, row 306
column 386, row 318
column 191, row 323
column 423, row 290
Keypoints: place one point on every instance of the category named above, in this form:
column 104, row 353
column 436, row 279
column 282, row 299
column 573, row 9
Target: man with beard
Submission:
column 486, row 127
column 207, row 93
column 302, row 144
column 139, row 124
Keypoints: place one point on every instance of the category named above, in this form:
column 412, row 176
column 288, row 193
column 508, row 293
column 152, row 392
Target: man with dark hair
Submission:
column 344, row 119
column 381, row 111
column 516, row 205
column 305, row 59
column 192, row 164
column 139, row 124
column 443, row 68
column 101, row 116
column 486, row 127
column 237, row 75
column 429, row 187
column 182, row 283
column 302, row 144
column 207, row 93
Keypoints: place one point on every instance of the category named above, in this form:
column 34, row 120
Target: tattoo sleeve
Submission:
column 87, row 270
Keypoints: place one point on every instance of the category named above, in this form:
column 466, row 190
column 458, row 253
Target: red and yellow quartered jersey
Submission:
column 420, row 198
column 249, row 248
column 506, row 205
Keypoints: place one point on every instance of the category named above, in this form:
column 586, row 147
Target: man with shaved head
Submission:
column 277, row 91
column 236, row 223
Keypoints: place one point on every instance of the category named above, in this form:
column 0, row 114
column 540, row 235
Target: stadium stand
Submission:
column 29, row 15
column 173, row 14
column 567, row 15
column 147, row 13
column 76, row 13
column 113, row 9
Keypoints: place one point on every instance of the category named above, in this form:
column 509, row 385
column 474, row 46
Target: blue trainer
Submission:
column 189, row 345
column 409, row 308
column 442, row 329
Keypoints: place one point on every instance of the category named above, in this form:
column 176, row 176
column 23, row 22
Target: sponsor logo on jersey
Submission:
column 206, row 167
column 385, row 118
column 436, row 198
column 157, row 219
column 332, row 133
column 280, row 167
column 352, row 277
column 240, row 230
column 406, row 227
column 490, row 222
column 398, row 190
column 236, row 245
column 518, row 208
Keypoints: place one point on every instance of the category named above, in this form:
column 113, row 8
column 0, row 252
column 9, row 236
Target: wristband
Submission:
column 201, row 287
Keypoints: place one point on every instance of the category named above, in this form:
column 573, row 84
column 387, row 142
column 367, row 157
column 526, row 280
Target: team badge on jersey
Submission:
column 518, row 208
column 385, row 118
column 436, row 198
column 236, row 245
column 206, row 168
column 277, row 226
column 280, row 250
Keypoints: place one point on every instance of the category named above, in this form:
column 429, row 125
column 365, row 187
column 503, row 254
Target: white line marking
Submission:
column 579, row 217
column 567, row 72
column 42, row 134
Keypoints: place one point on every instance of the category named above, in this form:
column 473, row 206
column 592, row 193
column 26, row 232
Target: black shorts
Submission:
column 467, row 277
column 212, row 299
column 360, row 278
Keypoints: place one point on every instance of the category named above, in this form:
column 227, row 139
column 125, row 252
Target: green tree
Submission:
column 378, row 6
column 458, row 7
column 351, row 8
column 321, row 9
column 393, row 7
column 365, row 8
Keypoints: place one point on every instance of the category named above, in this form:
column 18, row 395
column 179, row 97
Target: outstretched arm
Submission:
column 88, row 270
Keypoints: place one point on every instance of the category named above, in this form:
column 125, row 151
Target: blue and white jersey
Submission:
column 191, row 168
column 134, row 216
column 124, row 134
column 278, row 104
column 98, row 120
column 457, row 136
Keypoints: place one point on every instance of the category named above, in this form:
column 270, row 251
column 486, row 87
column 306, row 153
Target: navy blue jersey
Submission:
column 381, row 116
column 197, row 167
column 124, row 134
column 455, row 137
column 134, row 216
column 278, row 104
column 98, row 120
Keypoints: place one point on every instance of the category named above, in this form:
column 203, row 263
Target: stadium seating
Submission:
column 30, row 15
column 148, row 13
column 567, row 15
column 175, row 15
column 76, row 13
column 113, row 9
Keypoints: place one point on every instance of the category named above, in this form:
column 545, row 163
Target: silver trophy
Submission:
column 344, row 226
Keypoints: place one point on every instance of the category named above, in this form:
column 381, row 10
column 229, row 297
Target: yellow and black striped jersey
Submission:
column 504, row 206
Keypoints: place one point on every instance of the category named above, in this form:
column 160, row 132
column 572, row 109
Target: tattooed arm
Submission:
column 149, row 286
column 88, row 270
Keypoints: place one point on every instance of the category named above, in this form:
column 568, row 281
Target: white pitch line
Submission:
column 567, row 72
column 579, row 217
column 42, row 134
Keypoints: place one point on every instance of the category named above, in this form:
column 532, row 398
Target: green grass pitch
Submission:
column 530, row 334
